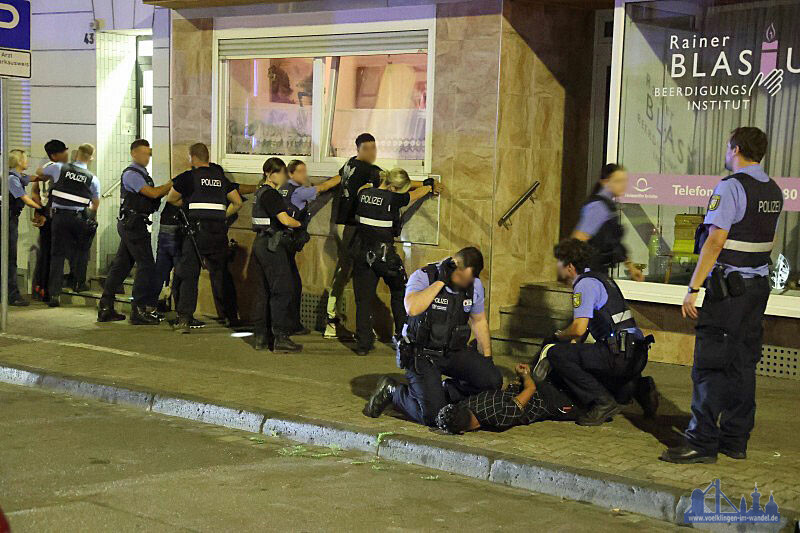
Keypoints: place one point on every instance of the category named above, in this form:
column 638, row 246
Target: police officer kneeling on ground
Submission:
column 209, row 198
column 603, row 374
column 444, row 302
column 140, row 199
column 734, row 241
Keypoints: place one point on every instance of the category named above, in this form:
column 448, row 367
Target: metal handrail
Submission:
column 111, row 189
column 529, row 195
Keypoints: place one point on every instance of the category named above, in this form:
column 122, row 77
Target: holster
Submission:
column 717, row 285
column 274, row 239
column 299, row 239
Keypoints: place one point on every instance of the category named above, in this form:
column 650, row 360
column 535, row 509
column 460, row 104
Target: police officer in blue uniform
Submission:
column 209, row 199
column 271, row 248
column 298, row 195
column 445, row 303
column 734, row 242
column 75, row 199
column 378, row 223
column 603, row 374
column 140, row 198
column 18, row 198
column 599, row 222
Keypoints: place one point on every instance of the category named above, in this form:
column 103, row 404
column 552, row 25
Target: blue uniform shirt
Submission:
column 17, row 183
column 54, row 171
column 302, row 195
column 589, row 295
column 595, row 214
column 133, row 181
column 731, row 209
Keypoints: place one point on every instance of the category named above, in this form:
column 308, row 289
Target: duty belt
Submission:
column 378, row 253
column 126, row 213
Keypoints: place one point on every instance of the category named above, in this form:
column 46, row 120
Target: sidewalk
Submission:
column 328, row 383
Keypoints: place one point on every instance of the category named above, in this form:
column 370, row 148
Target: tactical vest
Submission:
column 287, row 191
column 209, row 199
column 376, row 219
column 16, row 204
column 750, row 240
column 614, row 316
column 444, row 325
column 607, row 242
column 261, row 220
column 137, row 202
column 73, row 186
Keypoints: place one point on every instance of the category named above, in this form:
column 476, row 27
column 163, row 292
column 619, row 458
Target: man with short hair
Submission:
column 75, row 200
column 735, row 243
column 57, row 152
column 140, row 198
column 209, row 199
column 445, row 304
column 603, row 374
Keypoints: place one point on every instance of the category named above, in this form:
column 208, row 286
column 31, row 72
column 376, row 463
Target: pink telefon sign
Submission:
column 694, row 191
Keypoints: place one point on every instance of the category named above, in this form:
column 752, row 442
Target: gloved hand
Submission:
column 428, row 182
column 445, row 271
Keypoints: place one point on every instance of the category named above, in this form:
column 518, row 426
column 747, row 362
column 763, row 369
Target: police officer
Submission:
column 75, row 200
column 57, row 152
column 608, row 371
column 298, row 195
column 734, row 242
column 18, row 199
column 140, row 198
column 445, row 302
column 599, row 222
column 209, row 198
column 378, row 223
column 273, row 322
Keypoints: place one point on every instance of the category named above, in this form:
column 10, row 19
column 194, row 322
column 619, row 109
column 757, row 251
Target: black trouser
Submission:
column 41, row 274
column 229, row 289
column 13, row 237
column 80, row 263
column 212, row 241
column 365, row 282
column 297, row 297
column 134, row 247
column 593, row 373
column 69, row 233
column 729, row 333
column 425, row 394
column 273, row 302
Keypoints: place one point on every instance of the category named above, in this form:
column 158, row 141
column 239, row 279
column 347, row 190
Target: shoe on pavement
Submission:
column 140, row 317
column 733, row 454
column 263, row 341
column 196, row 324
column 363, row 350
column 83, row 287
column 381, row 397
column 182, row 324
column 283, row 344
column 646, row 396
column 685, row 455
column 106, row 313
column 55, row 301
column 601, row 412
column 331, row 329
column 19, row 301
column 301, row 330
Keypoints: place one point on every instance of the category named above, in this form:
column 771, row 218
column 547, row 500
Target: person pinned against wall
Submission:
column 75, row 200
column 378, row 222
column 599, row 222
column 17, row 199
column 274, row 322
column 298, row 194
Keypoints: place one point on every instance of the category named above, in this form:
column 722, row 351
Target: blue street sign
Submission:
column 15, row 24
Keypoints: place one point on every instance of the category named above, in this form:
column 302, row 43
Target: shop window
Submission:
column 691, row 73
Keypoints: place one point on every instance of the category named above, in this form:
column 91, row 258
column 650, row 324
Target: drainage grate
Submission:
column 313, row 311
column 779, row 362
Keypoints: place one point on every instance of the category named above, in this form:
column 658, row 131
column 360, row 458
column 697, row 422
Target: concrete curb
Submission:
column 657, row 501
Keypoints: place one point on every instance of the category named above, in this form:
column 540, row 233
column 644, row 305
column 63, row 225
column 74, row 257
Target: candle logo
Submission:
column 769, row 50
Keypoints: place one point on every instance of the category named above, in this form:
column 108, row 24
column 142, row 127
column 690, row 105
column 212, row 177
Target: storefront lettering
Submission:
column 680, row 190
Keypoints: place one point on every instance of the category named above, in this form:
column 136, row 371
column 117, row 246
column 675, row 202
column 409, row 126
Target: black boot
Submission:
column 283, row 344
column 646, row 395
column 263, row 341
column 106, row 313
column 140, row 317
column 182, row 324
column 687, row 455
column 381, row 397
column 602, row 411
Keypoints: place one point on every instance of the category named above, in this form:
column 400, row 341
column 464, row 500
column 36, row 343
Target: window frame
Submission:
column 319, row 163
column 647, row 291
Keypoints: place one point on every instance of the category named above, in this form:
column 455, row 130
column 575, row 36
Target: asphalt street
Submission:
column 68, row 464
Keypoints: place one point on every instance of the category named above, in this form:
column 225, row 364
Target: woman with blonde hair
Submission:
column 378, row 223
column 18, row 199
